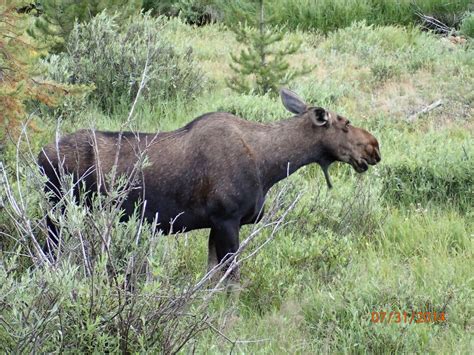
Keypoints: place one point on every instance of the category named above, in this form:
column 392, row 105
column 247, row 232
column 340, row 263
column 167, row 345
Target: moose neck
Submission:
column 285, row 147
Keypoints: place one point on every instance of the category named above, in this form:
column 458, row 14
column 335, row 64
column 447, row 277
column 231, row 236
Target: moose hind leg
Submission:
column 52, row 230
column 212, row 255
column 225, row 238
column 52, row 233
column 52, row 240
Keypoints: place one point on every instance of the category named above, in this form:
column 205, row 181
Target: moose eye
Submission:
column 346, row 127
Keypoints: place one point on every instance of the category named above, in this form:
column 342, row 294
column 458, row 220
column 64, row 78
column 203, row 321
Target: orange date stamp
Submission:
column 407, row 317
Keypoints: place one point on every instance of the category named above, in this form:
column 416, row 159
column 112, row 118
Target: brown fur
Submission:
column 215, row 171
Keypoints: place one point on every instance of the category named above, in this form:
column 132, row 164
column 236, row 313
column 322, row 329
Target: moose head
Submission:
column 335, row 137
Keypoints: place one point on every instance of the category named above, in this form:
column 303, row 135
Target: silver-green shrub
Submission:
column 109, row 285
column 118, row 60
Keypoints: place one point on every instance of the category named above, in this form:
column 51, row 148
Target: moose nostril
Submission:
column 377, row 155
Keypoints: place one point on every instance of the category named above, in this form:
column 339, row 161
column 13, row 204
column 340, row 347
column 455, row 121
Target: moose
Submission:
column 215, row 171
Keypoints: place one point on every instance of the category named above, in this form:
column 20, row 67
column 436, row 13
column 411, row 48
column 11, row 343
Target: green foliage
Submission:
column 19, row 72
column 199, row 12
column 112, row 286
column 256, row 108
column 386, row 285
column 161, row 7
column 57, row 17
column 448, row 12
column 390, row 51
column 322, row 15
column 441, row 174
column 265, row 63
column 196, row 12
column 329, row 15
column 467, row 25
column 117, row 60
column 94, row 313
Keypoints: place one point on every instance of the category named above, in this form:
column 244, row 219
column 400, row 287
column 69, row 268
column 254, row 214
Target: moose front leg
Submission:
column 223, row 243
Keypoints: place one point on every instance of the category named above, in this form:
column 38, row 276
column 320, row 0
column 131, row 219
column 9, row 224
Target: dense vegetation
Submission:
column 398, row 238
column 322, row 15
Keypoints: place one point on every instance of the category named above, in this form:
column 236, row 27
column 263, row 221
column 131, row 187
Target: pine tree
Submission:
column 262, row 67
column 19, row 73
column 57, row 17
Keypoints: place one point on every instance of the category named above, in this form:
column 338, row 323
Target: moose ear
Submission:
column 319, row 116
column 292, row 102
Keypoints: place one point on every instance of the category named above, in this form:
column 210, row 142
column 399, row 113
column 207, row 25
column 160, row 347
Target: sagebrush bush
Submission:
column 110, row 287
column 107, row 284
column 118, row 60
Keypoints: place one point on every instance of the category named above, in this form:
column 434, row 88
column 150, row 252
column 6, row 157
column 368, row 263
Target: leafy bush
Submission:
column 118, row 61
column 383, row 71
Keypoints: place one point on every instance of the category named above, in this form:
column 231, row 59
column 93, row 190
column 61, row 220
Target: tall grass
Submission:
column 467, row 25
column 328, row 15
column 321, row 15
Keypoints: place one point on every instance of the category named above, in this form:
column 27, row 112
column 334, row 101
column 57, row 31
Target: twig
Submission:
column 426, row 109
column 431, row 23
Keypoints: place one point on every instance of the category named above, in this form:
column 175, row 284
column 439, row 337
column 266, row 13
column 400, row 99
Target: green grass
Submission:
column 467, row 25
column 317, row 15
column 398, row 238
column 329, row 15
